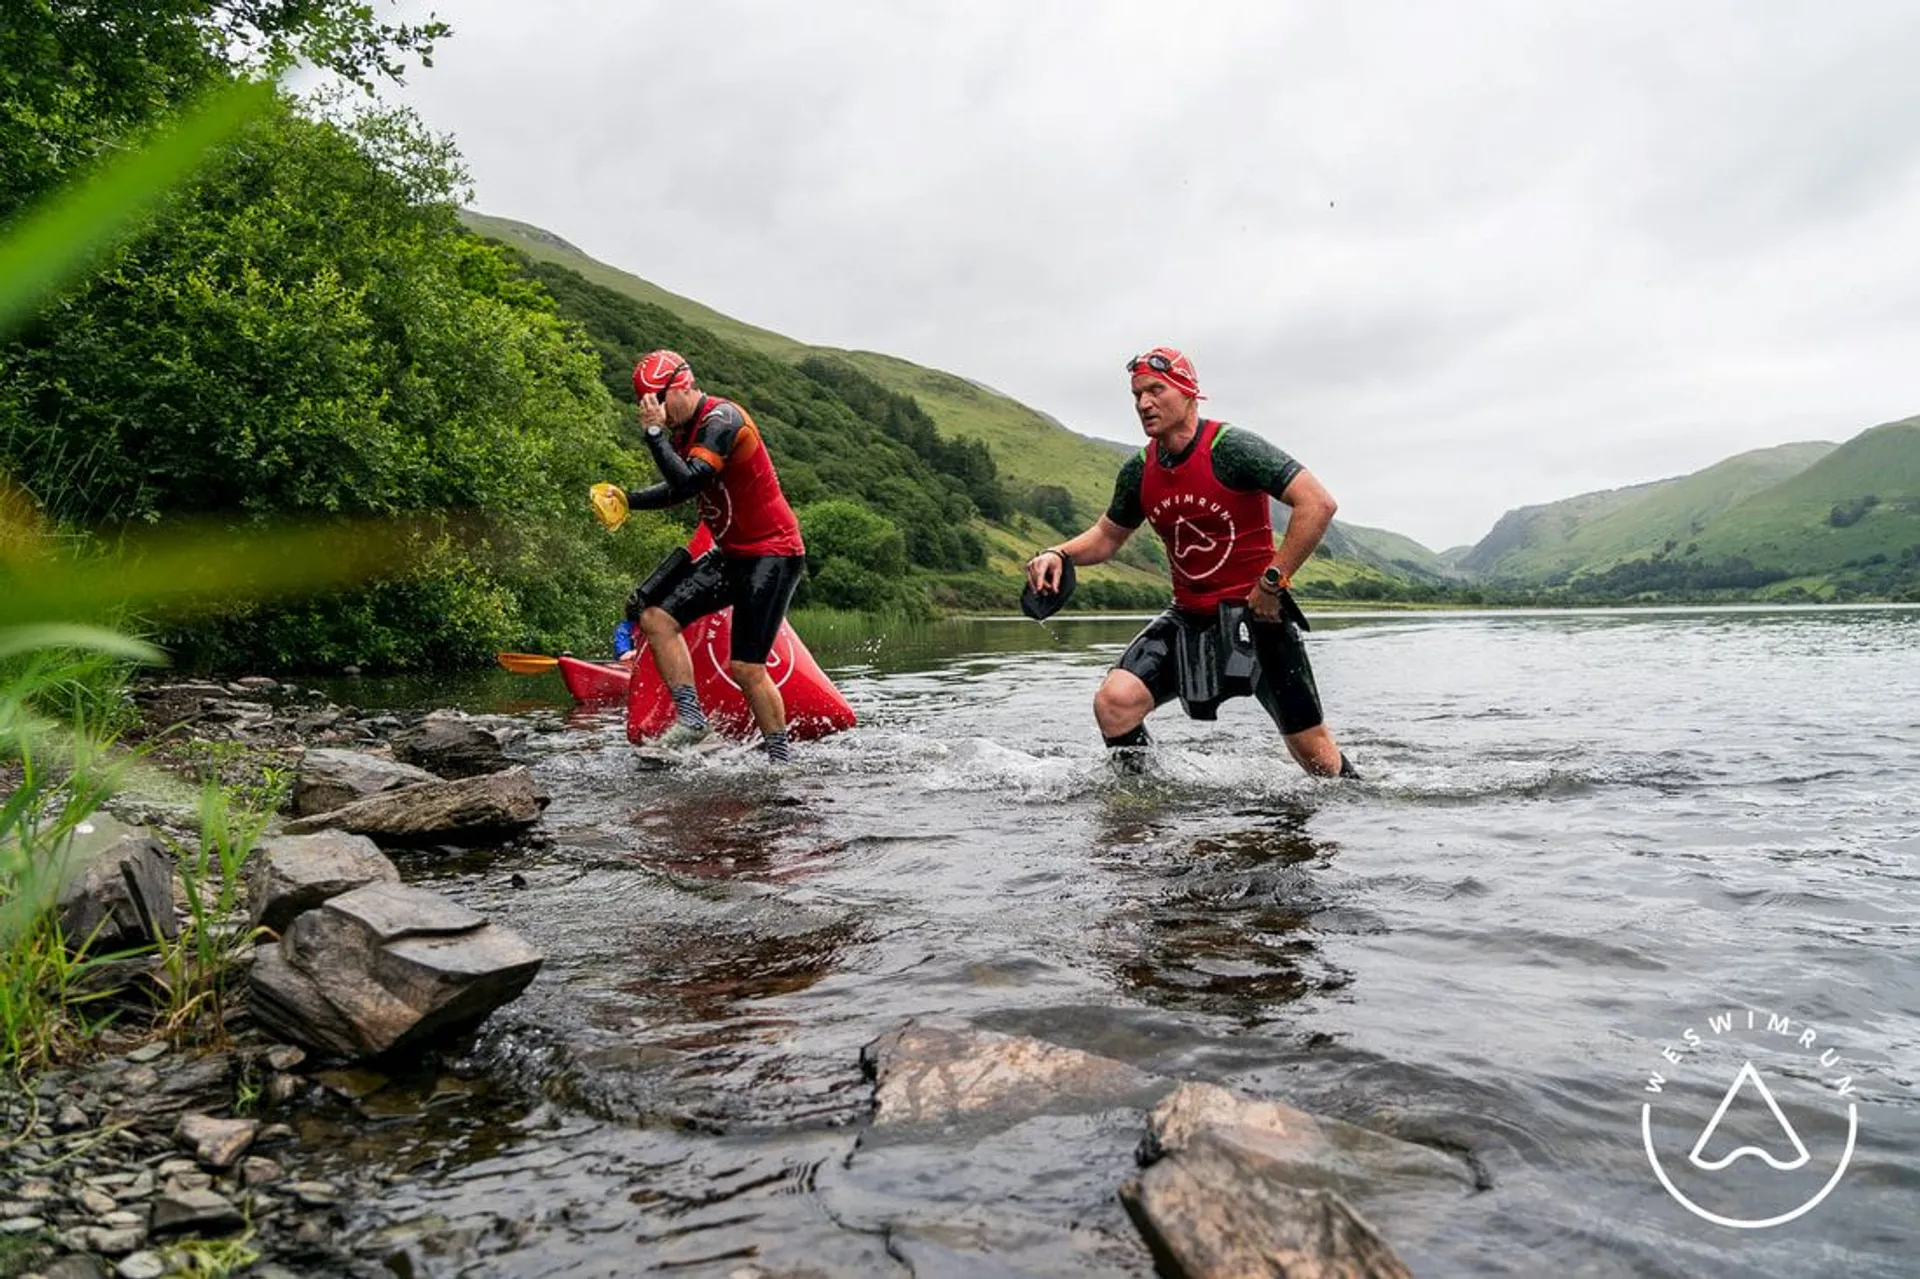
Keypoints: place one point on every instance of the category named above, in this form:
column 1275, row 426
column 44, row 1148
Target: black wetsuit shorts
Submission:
column 1283, row 685
column 758, row 587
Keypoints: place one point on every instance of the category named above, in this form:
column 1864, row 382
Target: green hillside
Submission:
column 1391, row 552
column 1030, row 448
column 1854, row 514
column 1527, row 541
column 1591, row 533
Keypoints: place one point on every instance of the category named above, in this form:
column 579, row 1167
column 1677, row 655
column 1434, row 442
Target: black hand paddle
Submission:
column 1040, row 606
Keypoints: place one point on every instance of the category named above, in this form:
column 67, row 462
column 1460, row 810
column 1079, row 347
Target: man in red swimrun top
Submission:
column 1204, row 487
column 708, row 449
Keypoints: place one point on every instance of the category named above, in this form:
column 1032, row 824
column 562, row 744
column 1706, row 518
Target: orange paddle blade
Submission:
column 527, row 663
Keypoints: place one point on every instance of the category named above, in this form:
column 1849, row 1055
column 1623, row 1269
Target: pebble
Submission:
column 97, row 1202
column 148, row 1052
column 141, row 1265
column 21, row 1225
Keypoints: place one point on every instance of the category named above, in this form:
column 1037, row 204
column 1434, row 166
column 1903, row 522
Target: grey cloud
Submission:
column 1456, row 257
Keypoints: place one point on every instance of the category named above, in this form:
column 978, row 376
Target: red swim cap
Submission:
column 1171, row 367
column 660, row 371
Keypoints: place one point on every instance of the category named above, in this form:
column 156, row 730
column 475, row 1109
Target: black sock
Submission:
column 686, row 703
column 1136, row 736
column 777, row 748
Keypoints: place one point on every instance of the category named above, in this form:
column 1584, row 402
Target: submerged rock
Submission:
column 939, row 1070
column 1243, row 1188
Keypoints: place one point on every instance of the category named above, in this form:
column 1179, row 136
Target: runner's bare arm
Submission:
column 1310, row 511
column 1096, row 545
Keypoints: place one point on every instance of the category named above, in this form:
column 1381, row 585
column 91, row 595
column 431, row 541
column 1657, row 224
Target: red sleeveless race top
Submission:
column 1218, row 539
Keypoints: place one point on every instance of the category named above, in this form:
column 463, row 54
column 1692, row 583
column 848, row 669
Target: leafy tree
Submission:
column 79, row 78
column 842, row 529
column 307, row 329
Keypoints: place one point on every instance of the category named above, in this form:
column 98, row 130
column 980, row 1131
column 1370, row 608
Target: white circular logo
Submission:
column 1747, row 1162
column 1199, row 538
column 717, row 640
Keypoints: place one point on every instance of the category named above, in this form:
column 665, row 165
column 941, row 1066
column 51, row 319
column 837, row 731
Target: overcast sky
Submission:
column 1455, row 257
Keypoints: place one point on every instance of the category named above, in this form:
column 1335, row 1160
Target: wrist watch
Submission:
column 1272, row 582
column 653, row 428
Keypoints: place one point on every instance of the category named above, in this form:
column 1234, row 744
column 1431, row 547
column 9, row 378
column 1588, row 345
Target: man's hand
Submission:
column 1264, row 603
column 1043, row 571
column 652, row 413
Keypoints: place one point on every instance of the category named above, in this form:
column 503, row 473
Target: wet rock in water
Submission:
column 216, row 1143
column 1302, row 1149
column 331, row 778
column 1210, row 1214
column 473, row 807
column 451, row 744
column 1243, row 1187
column 933, row 1071
column 123, row 894
column 292, row 874
column 383, row 967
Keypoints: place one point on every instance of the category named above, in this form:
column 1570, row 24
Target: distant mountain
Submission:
column 1030, row 448
column 1391, row 552
column 1588, row 533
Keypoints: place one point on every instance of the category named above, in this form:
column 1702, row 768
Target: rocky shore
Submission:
column 179, row 1152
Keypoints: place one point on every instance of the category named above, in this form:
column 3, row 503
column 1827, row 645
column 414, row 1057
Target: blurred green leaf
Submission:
column 15, row 640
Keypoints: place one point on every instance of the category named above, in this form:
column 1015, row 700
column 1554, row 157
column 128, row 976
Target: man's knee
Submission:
column 657, row 621
column 1121, row 697
column 747, row 674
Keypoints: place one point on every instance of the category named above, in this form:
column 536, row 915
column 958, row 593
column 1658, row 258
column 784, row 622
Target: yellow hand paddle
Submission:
column 527, row 663
column 610, row 505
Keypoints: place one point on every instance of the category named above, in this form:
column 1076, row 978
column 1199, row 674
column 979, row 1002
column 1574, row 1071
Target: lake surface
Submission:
column 1582, row 837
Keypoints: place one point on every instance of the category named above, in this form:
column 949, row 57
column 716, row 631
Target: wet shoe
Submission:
column 1129, row 761
column 683, row 736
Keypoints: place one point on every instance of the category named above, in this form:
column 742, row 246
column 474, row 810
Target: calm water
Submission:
column 1580, row 837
